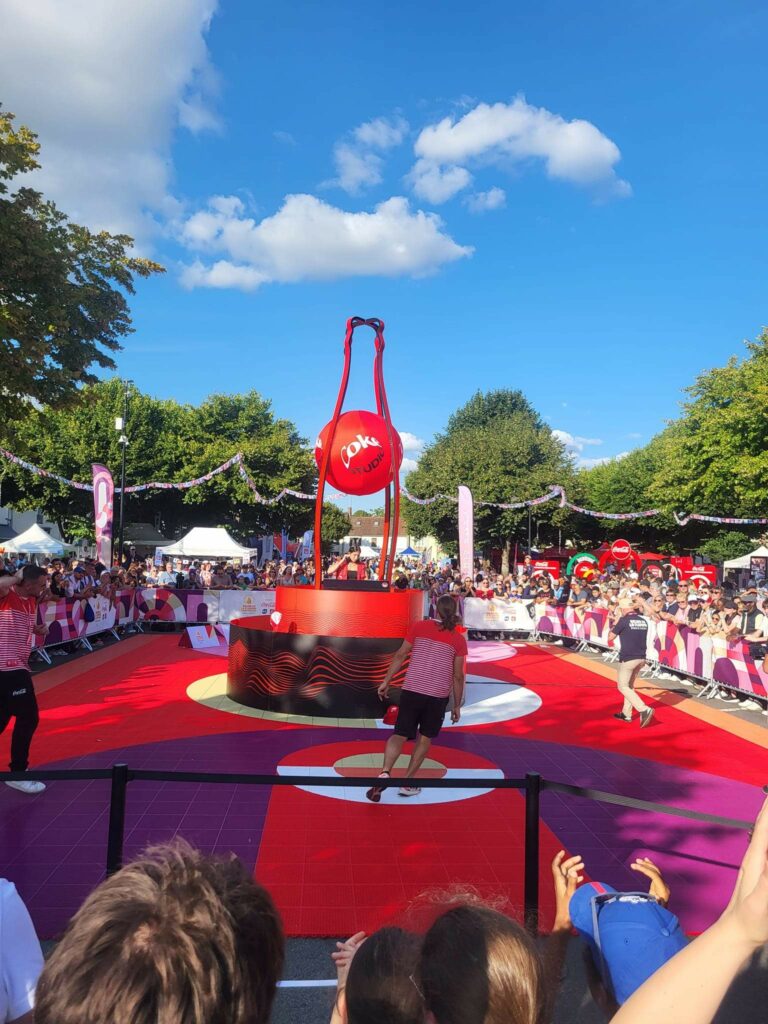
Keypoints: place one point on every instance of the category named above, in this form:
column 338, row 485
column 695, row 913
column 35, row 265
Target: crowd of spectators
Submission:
column 178, row 936
column 714, row 611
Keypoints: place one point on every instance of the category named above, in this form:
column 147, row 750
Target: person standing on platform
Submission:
column 19, row 595
column 349, row 567
column 436, row 670
column 632, row 631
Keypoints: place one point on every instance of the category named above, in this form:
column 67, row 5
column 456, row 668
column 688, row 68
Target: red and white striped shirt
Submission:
column 17, row 617
column 430, row 670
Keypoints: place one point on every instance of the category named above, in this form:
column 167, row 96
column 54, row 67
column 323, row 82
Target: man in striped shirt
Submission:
column 19, row 595
column 435, row 672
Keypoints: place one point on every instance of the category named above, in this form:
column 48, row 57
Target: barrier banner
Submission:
column 161, row 604
column 65, row 619
column 101, row 615
column 497, row 614
column 125, row 601
column 236, row 604
column 712, row 659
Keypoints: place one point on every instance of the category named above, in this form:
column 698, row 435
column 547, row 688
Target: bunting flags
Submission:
column 556, row 491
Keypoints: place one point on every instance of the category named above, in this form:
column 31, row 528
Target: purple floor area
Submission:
column 53, row 846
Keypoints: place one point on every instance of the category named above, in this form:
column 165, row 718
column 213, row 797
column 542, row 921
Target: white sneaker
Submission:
column 750, row 705
column 27, row 787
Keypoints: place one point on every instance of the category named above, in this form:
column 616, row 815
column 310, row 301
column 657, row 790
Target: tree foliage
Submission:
column 336, row 524
column 497, row 446
column 168, row 442
column 712, row 460
column 62, row 288
column 727, row 544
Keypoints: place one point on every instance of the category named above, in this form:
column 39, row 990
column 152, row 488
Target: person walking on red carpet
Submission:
column 19, row 596
column 632, row 631
column 436, row 670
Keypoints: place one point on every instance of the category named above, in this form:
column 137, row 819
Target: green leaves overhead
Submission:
column 62, row 304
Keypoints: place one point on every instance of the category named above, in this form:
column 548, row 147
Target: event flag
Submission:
column 466, row 533
column 103, row 501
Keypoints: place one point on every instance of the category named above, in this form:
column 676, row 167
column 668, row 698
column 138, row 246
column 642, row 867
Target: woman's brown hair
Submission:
column 448, row 612
column 380, row 985
column 176, row 937
column 479, row 967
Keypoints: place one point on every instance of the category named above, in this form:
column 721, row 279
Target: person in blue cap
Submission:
column 629, row 934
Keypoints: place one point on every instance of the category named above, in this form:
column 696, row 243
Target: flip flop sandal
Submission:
column 374, row 794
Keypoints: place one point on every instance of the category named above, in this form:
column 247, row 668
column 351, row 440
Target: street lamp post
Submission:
column 121, row 424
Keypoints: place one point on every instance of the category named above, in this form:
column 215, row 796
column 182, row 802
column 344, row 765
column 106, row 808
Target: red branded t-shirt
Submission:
column 17, row 617
column 433, row 649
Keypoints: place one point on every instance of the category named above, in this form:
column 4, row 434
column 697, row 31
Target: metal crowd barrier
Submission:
column 120, row 775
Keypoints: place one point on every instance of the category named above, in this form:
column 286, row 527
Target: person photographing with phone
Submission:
column 436, row 672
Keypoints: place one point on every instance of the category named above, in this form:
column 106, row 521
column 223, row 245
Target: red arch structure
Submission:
column 392, row 490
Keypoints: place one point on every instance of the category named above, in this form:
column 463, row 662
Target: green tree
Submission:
column 62, row 304
column 625, row 485
column 717, row 458
column 336, row 524
column 497, row 446
column 168, row 442
column 727, row 544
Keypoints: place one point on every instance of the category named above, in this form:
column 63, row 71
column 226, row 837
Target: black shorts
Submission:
column 419, row 711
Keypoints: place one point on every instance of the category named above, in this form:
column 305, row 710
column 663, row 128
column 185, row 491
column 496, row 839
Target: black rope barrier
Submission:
column 646, row 805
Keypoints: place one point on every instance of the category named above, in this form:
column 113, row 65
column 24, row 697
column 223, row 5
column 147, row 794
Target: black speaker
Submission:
column 375, row 586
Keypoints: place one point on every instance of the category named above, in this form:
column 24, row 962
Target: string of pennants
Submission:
column 555, row 492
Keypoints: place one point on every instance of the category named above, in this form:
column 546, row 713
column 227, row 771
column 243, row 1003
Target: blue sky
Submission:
column 566, row 199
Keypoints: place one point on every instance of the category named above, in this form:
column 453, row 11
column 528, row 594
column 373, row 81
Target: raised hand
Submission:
column 342, row 958
column 658, row 887
column 567, row 874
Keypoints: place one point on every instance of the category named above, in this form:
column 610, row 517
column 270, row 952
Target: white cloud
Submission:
column 382, row 133
column 481, row 202
column 308, row 239
column 634, row 436
column 429, row 181
column 285, row 137
column 105, row 83
column 589, row 463
column 412, row 443
column 573, row 442
column 221, row 274
column 413, row 447
column 510, row 133
column 355, row 169
column 357, row 165
column 575, row 446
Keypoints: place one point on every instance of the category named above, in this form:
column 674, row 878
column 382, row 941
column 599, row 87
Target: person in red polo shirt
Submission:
column 19, row 595
column 437, row 668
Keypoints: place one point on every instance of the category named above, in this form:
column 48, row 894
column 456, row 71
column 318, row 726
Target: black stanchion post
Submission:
column 531, row 896
column 116, row 818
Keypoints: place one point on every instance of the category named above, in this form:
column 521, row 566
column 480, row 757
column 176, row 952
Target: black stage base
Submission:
column 305, row 674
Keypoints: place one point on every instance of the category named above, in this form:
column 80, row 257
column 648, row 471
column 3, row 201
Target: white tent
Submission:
column 208, row 542
column 35, row 541
column 743, row 562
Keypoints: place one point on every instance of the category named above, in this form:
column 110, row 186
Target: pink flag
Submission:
column 466, row 533
column 103, row 494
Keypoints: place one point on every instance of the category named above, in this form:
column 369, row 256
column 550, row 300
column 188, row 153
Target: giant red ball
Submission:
column 361, row 460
